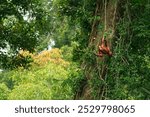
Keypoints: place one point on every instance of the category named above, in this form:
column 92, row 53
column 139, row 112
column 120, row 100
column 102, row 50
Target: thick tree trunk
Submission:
column 107, row 16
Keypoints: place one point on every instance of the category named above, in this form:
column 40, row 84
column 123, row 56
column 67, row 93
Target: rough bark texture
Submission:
column 107, row 16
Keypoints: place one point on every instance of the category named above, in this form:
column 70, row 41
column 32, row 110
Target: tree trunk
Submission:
column 107, row 11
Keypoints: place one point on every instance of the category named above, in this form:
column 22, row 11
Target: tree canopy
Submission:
column 22, row 24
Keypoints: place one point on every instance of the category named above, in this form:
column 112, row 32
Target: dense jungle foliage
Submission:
column 48, row 49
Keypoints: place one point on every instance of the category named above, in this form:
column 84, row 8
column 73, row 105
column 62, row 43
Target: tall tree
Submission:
column 127, row 32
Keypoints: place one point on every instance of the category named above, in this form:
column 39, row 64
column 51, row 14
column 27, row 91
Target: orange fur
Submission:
column 104, row 49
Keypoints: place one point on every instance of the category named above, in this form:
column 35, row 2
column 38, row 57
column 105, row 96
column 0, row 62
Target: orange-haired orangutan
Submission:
column 103, row 49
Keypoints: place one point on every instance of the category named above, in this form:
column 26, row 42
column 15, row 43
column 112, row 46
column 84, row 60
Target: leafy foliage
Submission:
column 4, row 91
column 72, row 71
column 22, row 23
column 128, row 68
column 30, row 91
column 43, row 80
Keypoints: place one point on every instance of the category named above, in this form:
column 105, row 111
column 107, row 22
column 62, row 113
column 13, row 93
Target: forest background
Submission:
column 48, row 47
